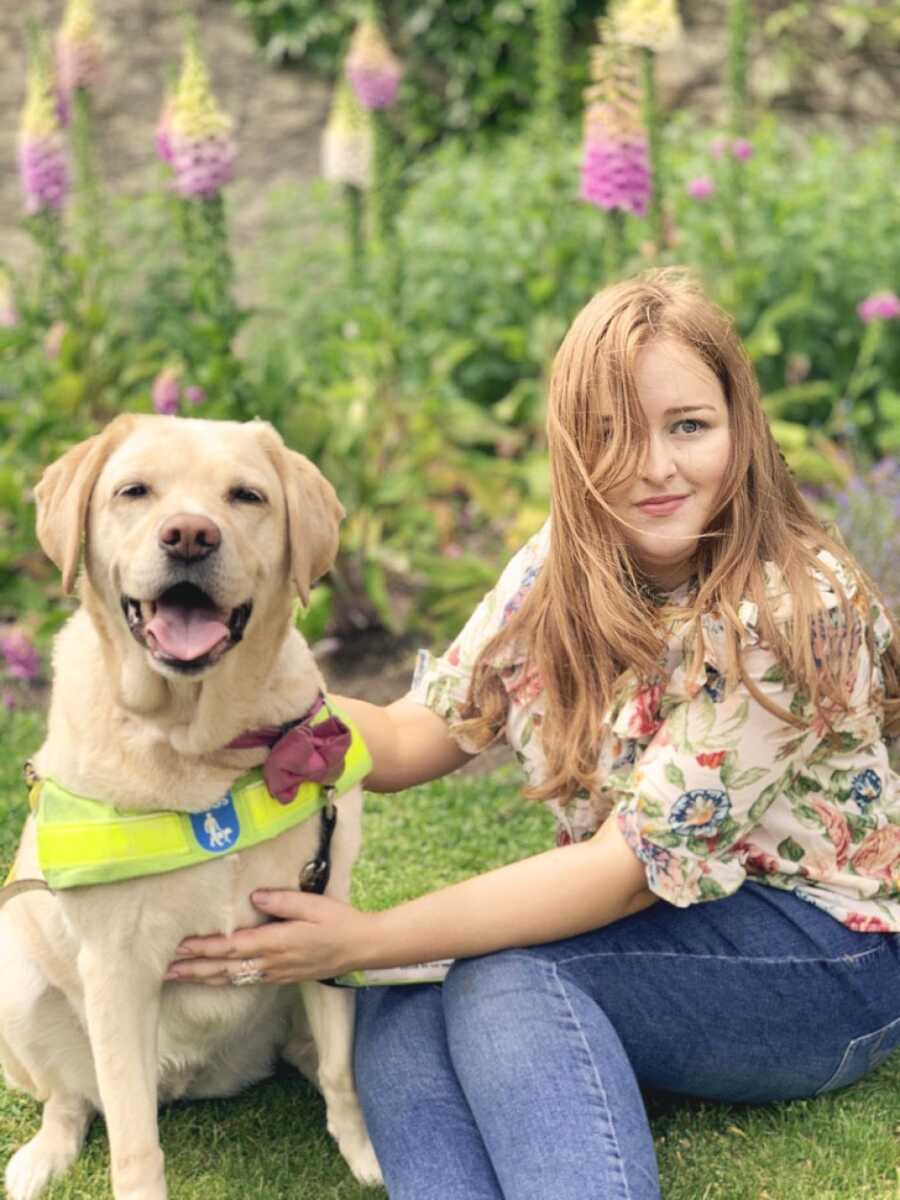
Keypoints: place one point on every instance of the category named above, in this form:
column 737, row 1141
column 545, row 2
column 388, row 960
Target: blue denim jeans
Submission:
column 520, row 1077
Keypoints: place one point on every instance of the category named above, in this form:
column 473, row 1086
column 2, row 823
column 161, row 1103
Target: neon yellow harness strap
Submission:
column 82, row 841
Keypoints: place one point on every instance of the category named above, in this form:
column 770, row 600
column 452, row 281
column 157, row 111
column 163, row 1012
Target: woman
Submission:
column 700, row 682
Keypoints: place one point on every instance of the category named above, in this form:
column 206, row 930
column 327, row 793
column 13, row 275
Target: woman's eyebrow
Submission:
column 689, row 408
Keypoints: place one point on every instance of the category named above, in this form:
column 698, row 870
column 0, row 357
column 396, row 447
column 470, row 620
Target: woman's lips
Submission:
column 662, row 508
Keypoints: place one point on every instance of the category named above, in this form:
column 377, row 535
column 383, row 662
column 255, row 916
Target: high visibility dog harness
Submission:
column 82, row 841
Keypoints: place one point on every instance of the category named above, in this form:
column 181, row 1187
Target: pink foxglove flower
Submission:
column 701, row 188
column 371, row 66
column 348, row 140
column 9, row 315
column 79, row 48
column 650, row 24
column 20, row 655
column 167, row 392
column 42, row 160
column 194, row 395
column 163, row 134
column 742, row 149
column 882, row 306
column 200, row 140
column 615, row 171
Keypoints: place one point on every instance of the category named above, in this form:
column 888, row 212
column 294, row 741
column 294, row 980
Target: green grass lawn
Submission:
column 271, row 1144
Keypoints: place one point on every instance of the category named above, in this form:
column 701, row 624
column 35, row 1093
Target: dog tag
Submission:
column 314, row 875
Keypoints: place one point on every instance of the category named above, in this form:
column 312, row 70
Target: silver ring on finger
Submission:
column 247, row 972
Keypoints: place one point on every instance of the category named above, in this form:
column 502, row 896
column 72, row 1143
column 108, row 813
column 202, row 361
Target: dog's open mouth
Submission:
column 184, row 628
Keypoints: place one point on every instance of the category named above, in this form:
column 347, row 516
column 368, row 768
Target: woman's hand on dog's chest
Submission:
column 313, row 937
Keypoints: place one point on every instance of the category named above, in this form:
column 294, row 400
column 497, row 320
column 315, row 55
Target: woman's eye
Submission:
column 696, row 425
column 134, row 491
column 245, row 495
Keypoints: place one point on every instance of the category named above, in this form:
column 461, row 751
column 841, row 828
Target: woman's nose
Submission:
column 659, row 462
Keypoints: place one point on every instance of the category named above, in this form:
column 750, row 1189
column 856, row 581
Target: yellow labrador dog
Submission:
column 193, row 532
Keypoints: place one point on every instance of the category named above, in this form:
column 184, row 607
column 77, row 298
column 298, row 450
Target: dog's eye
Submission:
column 134, row 491
column 246, row 495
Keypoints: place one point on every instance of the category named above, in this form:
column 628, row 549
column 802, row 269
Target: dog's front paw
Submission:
column 347, row 1127
column 31, row 1168
column 359, row 1154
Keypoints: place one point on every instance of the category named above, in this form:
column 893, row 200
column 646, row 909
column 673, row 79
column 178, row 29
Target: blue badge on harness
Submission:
column 217, row 829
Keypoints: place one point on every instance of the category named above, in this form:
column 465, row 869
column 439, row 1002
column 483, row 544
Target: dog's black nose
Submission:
column 189, row 538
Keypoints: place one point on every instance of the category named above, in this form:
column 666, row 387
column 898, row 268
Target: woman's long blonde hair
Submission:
column 587, row 618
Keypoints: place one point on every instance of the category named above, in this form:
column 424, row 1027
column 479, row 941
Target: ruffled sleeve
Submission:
column 442, row 683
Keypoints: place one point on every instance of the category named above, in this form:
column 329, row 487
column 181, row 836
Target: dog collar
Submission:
column 83, row 841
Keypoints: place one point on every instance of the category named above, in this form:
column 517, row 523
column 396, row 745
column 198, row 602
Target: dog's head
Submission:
column 192, row 530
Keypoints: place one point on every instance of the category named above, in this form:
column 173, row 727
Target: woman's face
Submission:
column 670, row 499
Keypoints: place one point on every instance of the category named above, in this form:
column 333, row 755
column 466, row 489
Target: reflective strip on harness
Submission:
column 82, row 841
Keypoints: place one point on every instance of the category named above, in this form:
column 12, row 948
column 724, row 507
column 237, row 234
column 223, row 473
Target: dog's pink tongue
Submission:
column 186, row 633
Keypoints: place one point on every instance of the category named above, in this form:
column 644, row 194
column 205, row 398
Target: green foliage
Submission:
column 469, row 63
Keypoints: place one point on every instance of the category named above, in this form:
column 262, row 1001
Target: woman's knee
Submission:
column 498, row 1010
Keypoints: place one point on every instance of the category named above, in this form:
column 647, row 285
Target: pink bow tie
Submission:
column 300, row 752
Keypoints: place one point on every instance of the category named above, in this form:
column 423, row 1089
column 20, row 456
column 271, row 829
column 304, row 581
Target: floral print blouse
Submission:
column 709, row 788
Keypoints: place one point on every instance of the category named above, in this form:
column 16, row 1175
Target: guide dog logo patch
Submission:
column 217, row 829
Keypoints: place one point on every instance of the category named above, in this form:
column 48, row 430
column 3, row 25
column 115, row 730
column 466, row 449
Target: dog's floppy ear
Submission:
column 64, row 492
column 314, row 514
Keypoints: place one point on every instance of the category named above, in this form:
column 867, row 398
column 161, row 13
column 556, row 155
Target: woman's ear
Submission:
column 64, row 493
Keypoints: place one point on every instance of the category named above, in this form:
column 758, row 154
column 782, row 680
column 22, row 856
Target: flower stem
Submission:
column 385, row 200
column 652, row 124
column 353, row 199
column 614, row 245
column 548, row 19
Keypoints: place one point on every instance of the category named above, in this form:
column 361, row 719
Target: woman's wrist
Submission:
column 373, row 943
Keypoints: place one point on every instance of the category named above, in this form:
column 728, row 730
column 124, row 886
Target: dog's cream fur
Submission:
column 86, row 1024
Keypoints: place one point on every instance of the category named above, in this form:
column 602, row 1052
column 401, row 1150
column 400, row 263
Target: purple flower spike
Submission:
column 374, row 89
column 742, row 149
column 196, row 140
column 167, row 392
column 372, row 68
column 882, row 306
column 42, row 168
column 616, row 174
column 202, row 168
column 42, row 160
column 194, row 395
column 701, row 188
column 615, row 167
column 79, row 48
column 20, row 655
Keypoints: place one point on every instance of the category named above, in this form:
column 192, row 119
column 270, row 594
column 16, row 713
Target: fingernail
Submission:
column 261, row 896
column 183, row 950
column 170, row 974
